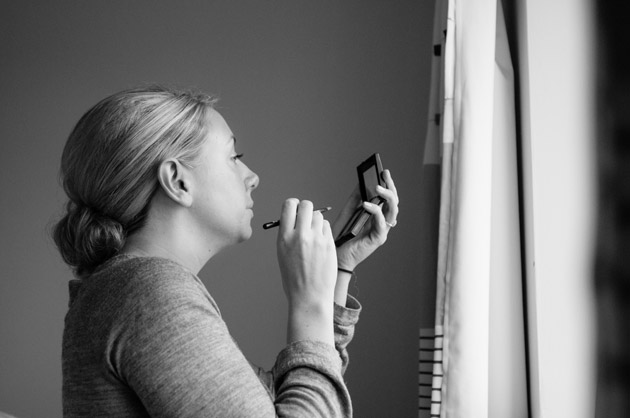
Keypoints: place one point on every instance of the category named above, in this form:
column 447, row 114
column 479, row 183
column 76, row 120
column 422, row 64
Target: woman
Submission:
column 156, row 188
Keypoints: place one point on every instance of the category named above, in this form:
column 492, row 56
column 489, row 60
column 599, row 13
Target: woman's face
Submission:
column 222, row 202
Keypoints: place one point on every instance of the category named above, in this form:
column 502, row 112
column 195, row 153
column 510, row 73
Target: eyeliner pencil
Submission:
column 277, row 223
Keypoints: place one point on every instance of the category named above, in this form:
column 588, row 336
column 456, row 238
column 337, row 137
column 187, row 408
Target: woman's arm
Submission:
column 341, row 287
column 175, row 352
column 353, row 252
column 308, row 264
column 345, row 319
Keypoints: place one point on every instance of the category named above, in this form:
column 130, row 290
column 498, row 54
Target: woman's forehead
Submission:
column 219, row 133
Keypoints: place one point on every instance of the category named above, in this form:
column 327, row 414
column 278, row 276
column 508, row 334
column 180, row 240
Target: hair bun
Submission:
column 87, row 238
column 110, row 159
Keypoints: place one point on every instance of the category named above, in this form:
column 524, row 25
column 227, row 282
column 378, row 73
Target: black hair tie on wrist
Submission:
column 345, row 270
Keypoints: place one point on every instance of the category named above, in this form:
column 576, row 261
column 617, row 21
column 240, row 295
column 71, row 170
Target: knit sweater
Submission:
column 144, row 338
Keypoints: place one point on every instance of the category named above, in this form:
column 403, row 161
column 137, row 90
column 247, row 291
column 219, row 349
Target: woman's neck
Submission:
column 174, row 239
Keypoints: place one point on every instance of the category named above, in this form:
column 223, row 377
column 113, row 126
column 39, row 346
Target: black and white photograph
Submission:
column 290, row 208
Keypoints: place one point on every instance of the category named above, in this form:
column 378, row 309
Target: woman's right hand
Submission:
column 308, row 264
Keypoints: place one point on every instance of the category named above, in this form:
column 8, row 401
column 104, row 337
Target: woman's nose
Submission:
column 252, row 180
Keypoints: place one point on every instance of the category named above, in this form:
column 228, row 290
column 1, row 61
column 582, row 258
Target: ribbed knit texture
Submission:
column 144, row 338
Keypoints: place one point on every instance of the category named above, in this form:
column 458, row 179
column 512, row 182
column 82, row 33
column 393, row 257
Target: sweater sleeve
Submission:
column 174, row 350
column 345, row 319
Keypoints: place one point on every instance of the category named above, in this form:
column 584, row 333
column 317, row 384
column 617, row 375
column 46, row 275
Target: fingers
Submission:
column 317, row 223
column 356, row 250
column 389, row 181
column 377, row 213
column 304, row 215
column 299, row 216
column 327, row 230
column 390, row 194
column 288, row 215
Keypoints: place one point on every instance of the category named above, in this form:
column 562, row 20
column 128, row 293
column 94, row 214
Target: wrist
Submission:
column 312, row 321
column 341, row 287
column 345, row 260
column 345, row 270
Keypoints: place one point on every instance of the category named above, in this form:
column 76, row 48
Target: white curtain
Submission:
column 472, row 364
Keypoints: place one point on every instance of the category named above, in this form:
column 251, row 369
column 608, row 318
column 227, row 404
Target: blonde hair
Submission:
column 109, row 166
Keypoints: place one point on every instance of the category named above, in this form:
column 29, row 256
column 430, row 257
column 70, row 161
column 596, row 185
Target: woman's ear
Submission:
column 175, row 181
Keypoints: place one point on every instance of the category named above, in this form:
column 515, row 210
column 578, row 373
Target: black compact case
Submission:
column 370, row 175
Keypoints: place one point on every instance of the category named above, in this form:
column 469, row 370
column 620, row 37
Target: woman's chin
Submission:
column 247, row 234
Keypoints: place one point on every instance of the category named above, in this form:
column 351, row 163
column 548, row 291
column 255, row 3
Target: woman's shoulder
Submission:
column 147, row 266
column 148, row 277
column 132, row 267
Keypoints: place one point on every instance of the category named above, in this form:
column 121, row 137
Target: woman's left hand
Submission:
column 383, row 219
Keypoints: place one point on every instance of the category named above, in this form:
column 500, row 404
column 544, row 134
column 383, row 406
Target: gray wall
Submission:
column 309, row 88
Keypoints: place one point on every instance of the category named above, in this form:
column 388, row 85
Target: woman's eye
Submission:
column 237, row 157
